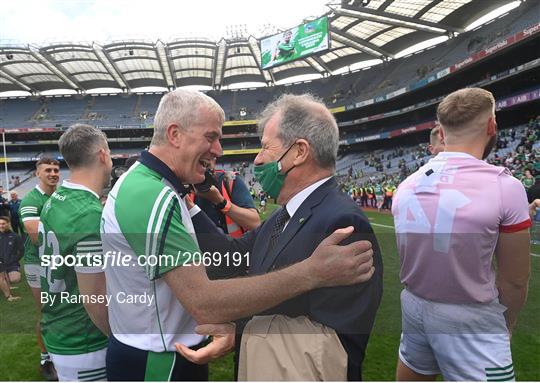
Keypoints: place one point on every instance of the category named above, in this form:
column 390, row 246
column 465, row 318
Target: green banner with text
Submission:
column 295, row 43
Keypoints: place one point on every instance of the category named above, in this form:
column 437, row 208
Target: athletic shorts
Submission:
column 9, row 268
column 32, row 272
column 127, row 363
column 13, row 267
column 460, row 341
column 83, row 367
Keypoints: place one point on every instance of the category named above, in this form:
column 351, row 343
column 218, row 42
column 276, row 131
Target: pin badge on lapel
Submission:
column 301, row 220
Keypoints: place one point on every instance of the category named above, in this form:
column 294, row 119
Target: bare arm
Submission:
column 514, row 267
column 93, row 284
column 533, row 206
column 223, row 336
column 31, row 227
column 221, row 301
column 247, row 218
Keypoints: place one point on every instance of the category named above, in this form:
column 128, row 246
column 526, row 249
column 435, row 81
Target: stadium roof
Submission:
column 360, row 30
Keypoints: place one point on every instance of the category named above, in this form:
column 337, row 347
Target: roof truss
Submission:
column 372, row 30
column 398, row 20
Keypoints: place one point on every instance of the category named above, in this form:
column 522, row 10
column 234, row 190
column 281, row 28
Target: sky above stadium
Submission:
column 46, row 21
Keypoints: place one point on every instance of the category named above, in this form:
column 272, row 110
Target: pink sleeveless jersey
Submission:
column 448, row 216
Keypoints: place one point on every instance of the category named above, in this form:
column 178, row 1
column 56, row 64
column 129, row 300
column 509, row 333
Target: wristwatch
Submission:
column 221, row 205
column 225, row 209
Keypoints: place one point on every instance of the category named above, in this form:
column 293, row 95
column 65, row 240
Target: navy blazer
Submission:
column 350, row 310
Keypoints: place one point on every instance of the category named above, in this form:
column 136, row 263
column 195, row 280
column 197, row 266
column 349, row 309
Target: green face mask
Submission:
column 270, row 177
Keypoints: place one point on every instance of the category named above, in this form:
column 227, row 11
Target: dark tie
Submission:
column 281, row 219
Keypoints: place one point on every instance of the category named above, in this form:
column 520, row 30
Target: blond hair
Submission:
column 462, row 107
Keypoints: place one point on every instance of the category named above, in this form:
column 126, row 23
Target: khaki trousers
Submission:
column 277, row 347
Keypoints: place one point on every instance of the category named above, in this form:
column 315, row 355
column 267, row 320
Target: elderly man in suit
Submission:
column 323, row 334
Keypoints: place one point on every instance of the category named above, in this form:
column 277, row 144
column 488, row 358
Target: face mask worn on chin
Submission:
column 270, row 177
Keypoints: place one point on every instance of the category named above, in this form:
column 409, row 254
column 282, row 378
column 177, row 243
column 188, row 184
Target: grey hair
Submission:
column 182, row 107
column 305, row 116
column 80, row 143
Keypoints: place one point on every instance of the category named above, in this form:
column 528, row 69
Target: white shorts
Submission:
column 460, row 341
column 83, row 367
column 32, row 272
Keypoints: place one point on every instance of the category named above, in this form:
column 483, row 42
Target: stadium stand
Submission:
column 125, row 110
column 384, row 114
column 517, row 148
column 15, row 178
column 359, row 122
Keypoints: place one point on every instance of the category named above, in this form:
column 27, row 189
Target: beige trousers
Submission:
column 277, row 347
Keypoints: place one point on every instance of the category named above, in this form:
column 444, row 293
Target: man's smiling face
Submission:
column 200, row 145
column 48, row 174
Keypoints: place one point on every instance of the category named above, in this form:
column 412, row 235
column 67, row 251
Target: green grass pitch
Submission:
column 19, row 355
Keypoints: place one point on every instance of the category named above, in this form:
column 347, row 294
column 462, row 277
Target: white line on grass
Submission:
column 381, row 225
column 535, row 255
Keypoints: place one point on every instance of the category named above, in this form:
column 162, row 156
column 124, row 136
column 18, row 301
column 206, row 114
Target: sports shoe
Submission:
column 48, row 371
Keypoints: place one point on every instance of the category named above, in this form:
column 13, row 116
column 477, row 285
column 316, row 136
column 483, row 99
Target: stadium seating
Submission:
column 415, row 155
column 125, row 110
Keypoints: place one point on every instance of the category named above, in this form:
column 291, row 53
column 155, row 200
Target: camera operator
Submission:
column 225, row 198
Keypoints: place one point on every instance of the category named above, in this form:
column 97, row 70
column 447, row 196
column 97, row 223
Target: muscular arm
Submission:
column 244, row 216
column 243, row 209
column 247, row 218
column 31, row 227
column 226, row 300
column 93, row 284
column 514, row 267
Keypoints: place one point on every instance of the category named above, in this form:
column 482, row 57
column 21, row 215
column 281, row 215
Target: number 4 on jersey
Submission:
column 412, row 218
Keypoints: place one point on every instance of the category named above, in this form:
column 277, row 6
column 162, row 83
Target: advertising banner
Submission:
column 295, row 43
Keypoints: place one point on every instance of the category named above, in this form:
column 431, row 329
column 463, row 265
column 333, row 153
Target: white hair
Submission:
column 182, row 107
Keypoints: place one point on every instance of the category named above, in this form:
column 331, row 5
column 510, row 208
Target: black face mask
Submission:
column 489, row 147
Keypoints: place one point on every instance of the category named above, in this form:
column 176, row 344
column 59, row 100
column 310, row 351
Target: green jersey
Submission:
column 29, row 210
column 527, row 182
column 68, row 232
column 145, row 219
column 285, row 50
column 378, row 190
